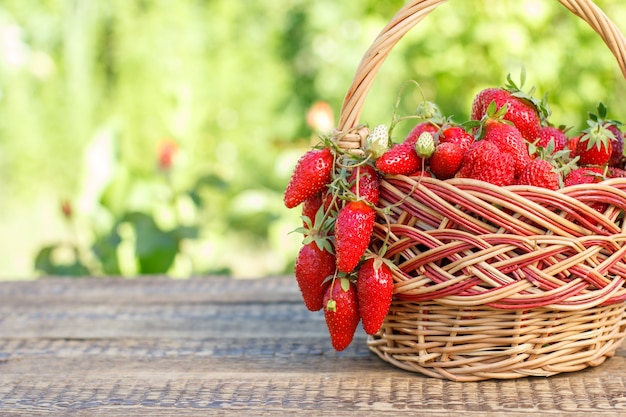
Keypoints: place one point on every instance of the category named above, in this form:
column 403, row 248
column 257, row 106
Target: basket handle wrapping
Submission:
column 411, row 14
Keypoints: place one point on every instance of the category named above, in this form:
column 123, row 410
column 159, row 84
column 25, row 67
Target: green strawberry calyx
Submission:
column 331, row 305
column 542, row 107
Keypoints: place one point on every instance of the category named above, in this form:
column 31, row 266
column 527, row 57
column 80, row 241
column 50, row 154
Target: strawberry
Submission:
column 425, row 145
column 415, row 133
column 540, row 173
column 310, row 208
column 587, row 175
column 365, row 182
column 313, row 266
column 377, row 141
column 353, row 230
column 572, row 145
column 400, row 159
column 311, row 174
column 509, row 140
column 616, row 173
column 523, row 110
column 484, row 161
column 594, row 147
column 552, row 134
column 374, row 291
column 341, row 312
column 584, row 175
column 483, row 99
column 446, row 160
column 458, row 135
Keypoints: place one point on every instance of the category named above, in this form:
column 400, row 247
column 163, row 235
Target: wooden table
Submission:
column 215, row 346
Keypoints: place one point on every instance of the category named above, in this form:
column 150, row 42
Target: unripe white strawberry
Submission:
column 377, row 142
column 425, row 145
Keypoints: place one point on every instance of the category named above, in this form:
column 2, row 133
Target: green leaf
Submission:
column 155, row 249
column 345, row 284
column 45, row 263
column 105, row 249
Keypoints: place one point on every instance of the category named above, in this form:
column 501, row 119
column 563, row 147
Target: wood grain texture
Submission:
column 214, row 346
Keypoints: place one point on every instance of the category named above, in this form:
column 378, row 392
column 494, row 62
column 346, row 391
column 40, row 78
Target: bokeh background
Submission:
column 157, row 136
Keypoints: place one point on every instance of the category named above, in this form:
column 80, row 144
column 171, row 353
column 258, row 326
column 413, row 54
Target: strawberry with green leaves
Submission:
column 584, row 175
column 594, row 146
column 540, row 173
column 597, row 142
column 310, row 207
column 353, row 230
column 311, row 174
column 374, row 286
column 341, row 312
column 554, row 135
column 505, row 136
column 365, row 182
column 314, row 265
column 409, row 156
column 522, row 109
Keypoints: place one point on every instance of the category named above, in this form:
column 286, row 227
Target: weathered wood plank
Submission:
column 156, row 347
column 270, row 375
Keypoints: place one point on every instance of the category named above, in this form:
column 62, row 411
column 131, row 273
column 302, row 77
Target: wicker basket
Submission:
column 495, row 282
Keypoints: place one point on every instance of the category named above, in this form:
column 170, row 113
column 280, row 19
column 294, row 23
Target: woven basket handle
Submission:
column 411, row 14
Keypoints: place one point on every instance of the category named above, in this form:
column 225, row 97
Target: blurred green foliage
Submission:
column 90, row 90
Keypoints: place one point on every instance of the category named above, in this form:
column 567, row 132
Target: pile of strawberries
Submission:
column 508, row 141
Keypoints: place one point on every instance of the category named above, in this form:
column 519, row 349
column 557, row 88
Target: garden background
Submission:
column 156, row 136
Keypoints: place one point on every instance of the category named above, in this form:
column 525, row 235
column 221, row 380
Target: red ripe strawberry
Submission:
column 457, row 135
column 365, row 183
column 572, row 145
column 313, row 266
column 509, row 140
column 353, row 230
column 446, row 160
column 341, row 312
column 602, row 130
column 539, row 172
column 587, row 175
column 374, row 287
column 524, row 111
column 594, row 148
column 310, row 208
column 584, row 175
column 616, row 173
column 484, row 161
column 482, row 100
column 400, row 159
column 552, row 134
column 415, row 133
column 311, row 174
